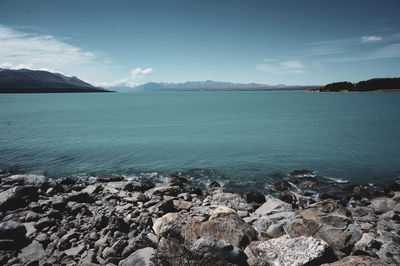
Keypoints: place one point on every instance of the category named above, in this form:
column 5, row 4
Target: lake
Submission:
column 235, row 137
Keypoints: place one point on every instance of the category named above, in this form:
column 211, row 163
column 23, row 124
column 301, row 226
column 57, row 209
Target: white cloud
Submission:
column 371, row 38
column 130, row 81
column 20, row 49
column 283, row 67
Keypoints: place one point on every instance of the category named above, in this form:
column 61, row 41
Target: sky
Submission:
column 110, row 43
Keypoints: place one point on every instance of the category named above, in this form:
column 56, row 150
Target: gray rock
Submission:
column 45, row 222
column 293, row 251
column 231, row 200
column 229, row 228
column 382, row 205
column 81, row 197
column 32, row 217
column 109, row 252
column 367, row 245
column 64, row 242
column 275, row 230
column 273, row 206
column 213, row 251
column 17, row 197
column 282, row 219
column 33, row 252
column 29, row 179
column 164, row 190
column 12, row 230
column 58, row 203
column 141, row 257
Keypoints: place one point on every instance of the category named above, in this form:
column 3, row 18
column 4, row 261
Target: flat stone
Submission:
column 31, row 253
column 273, row 206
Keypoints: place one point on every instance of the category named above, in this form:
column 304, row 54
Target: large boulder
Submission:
column 213, row 251
column 17, row 197
column 229, row 228
column 330, row 221
column 290, row 251
column 176, row 232
column 141, row 257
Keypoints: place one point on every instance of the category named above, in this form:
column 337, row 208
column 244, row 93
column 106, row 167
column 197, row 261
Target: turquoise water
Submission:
column 242, row 136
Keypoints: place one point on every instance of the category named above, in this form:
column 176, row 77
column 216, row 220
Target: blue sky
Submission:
column 273, row 42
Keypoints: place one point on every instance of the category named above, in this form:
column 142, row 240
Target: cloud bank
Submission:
column 281, row 67
column 370, row 38
column 21, row 49
column 130, row 81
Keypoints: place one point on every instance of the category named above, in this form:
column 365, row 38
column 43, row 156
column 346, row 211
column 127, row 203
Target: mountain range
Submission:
column 207, row 85
column 38, row 81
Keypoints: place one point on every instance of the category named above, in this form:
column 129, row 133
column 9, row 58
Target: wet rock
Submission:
column 138, row 186
column 291, row 251
column 12, row 235
column 302, row 173
column 213, row 184
column 358, row 260
column 273, row 206
column 282, row 185
column 178, row 179
column 28, row 179
column 214, row 251
column 32, row 253
column 194, row 190
column 229, row 228
column 17, row 197
column 254, row 196
column 110, row 178
column 141, row 257
column 392, row 185
column 80, row 197
column 164, row 190
column 360, row 192
column 296, row 200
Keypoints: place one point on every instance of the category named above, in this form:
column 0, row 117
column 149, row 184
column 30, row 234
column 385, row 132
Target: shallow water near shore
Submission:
column 240, row 138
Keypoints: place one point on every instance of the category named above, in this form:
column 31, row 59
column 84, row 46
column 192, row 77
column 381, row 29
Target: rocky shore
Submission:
column 113, row 221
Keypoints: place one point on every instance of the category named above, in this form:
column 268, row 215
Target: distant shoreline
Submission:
column 344, row 91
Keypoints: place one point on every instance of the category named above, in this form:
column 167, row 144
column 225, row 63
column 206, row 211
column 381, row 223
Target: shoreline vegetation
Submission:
column 371, row 85
column 114, row 221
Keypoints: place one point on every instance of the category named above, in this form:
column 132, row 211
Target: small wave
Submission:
column 337, row 180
